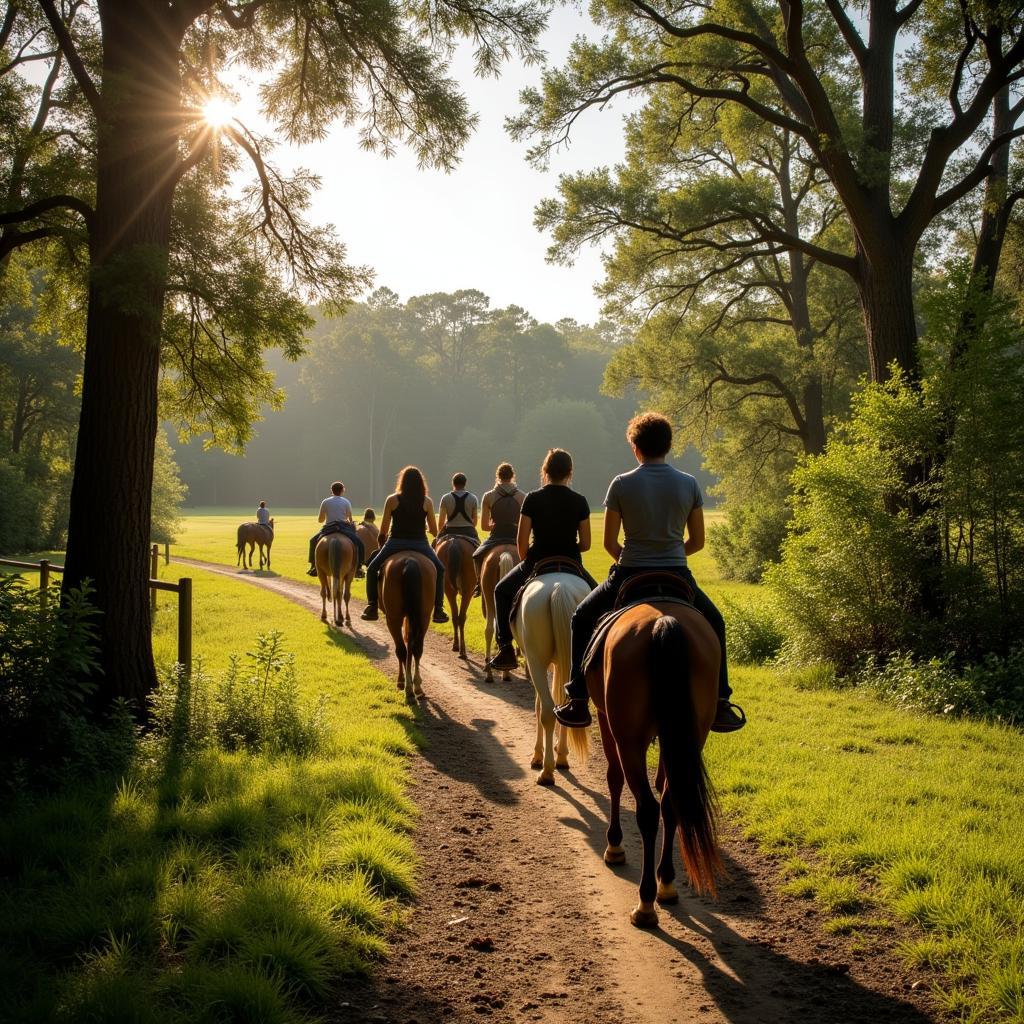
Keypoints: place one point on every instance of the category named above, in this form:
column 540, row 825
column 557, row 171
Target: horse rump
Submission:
column 689, row 787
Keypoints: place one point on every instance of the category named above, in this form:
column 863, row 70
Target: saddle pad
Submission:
column 595, row 649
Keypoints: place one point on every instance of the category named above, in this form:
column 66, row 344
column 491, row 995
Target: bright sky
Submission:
column 425, row 231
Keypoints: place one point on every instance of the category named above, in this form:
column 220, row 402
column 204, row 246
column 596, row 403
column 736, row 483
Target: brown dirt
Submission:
column 518, row 919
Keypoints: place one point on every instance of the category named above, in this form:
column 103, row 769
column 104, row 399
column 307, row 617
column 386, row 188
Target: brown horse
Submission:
column 456, row 555
column 369, row 534
column 335, row 559
column 659, row 677
column 253, row 534
column 498, row 563
column 406, row 594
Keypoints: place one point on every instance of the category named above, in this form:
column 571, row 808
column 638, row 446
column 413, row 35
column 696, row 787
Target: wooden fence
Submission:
column 183, row 588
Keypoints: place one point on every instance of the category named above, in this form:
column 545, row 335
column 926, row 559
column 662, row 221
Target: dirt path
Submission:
column 518, row 919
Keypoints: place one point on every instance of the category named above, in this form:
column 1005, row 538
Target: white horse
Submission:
column 541, row 629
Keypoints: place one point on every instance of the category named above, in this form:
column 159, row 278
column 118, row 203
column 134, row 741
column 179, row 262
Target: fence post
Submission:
column 44, row 584
column 167, row 552
column 185, row 623
column 154, row 569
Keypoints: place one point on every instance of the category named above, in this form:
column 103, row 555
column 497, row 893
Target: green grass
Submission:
column 211, row 538
column 228, row 887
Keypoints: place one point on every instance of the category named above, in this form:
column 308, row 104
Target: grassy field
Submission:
column 227, row 886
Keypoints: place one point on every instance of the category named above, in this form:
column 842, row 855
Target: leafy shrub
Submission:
column 749, row 540
column 258, row 710
column 993, row 688
column 754, row 635
column 47, row 669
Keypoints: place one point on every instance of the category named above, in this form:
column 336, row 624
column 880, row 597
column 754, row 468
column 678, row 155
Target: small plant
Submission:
column 258, row 710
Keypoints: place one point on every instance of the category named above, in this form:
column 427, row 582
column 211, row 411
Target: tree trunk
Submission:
column 137, row 159
column 886, row 285
column 814, row 417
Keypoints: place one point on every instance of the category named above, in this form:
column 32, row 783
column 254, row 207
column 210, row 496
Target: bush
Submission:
column 256, row 711
column 47, row 669
column 749, row 540
column 754, row 634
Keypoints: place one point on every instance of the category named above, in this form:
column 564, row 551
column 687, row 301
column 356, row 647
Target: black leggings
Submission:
column 505, row 594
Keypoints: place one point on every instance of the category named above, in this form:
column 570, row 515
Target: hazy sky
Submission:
column 424, row 231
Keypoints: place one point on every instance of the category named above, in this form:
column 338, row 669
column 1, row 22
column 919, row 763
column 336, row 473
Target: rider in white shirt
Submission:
column 336, row 515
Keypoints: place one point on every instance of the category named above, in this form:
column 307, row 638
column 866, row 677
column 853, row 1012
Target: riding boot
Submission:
column 370, row 613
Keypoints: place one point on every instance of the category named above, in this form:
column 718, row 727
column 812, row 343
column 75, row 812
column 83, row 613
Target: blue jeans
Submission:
column 393, row 546
column 600, row 601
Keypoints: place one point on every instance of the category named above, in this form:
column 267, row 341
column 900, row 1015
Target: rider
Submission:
column 336, row 515
column 499, row 515
column 411, row 512
column 457, row 512
column 653, row 503
column 263, row 516
column 559, row 518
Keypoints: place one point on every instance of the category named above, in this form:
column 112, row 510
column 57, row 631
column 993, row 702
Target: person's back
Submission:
column 654, row 501
column 336, row 517
column 263, row 514
column 336, row 509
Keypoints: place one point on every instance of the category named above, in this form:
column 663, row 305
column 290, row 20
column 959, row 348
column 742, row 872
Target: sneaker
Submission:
column 728, row 718
column 360, row 574
column 311, row 571
column 575, row 713
column 505, row 660
column 370, row 613
column 476, row 590
column 440, row 615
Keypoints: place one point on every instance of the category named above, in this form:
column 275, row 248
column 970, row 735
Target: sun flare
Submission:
column 218, row 112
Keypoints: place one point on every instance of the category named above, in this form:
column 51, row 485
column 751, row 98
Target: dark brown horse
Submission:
column 335, row 560
column 659, row 678
column 407, row 595
column 253, row 534
column 456, row 555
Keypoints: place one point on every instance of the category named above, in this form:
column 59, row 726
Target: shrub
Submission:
column 47, row 669
column 749, row 540
column 259, row 710
column 754, row 635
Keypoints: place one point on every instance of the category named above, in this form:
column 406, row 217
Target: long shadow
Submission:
column 461, row 752
column 380, row 998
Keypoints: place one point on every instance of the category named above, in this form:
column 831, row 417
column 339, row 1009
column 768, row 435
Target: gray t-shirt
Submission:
column 448, row 504
column 654, row 500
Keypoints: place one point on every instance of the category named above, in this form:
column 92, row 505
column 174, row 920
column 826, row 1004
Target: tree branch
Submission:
column 42, row 206
column 71, row 55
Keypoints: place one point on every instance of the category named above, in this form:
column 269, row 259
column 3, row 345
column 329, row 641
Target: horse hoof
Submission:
column 545, row 780
column 562, row 763
column 644, row 917
column 401, row 684
column 506, row 677
column 614, row 855
column 323, row 618
column 536, row 764
column 667, row 893
column 417, row 690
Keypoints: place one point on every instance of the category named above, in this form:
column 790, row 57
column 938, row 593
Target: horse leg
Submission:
column 545, row 724
column 463, row 610
column 417, row 679
column 348, row 595
column 488, row 637
column 325, row 592
column 538, row 747
column 562, row 748
column 666, row 868
column 634, row 765
column 614, row 853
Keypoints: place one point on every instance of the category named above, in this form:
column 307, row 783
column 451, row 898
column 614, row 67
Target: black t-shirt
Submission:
column 555, row 512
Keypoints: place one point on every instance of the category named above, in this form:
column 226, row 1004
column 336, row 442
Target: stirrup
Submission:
column 733, row 724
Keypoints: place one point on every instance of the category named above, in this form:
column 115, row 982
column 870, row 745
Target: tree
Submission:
column 807, row 69
column 168, row 493
column 145, row 70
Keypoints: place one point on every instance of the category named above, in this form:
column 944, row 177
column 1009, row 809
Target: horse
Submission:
column 406, row 594
column 541, row 629
column 497, row 564
column 369, row 534
column 658, row 677
column 456, row 554
column 253, row 534
column 335, row 560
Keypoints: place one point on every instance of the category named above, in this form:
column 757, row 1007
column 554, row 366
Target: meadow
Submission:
column 221, row 885
column 883, row 816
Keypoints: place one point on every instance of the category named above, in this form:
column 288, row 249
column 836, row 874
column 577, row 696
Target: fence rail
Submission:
column 183, row 588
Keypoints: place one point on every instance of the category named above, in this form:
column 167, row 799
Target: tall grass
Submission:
column 220, row 885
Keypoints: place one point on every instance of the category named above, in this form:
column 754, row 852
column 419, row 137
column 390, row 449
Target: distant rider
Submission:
column 457, row 513
column 499, row 515
column 660, row 510
column 263, row 516
column 336, row 515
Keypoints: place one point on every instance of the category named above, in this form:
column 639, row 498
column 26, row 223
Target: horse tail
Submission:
column 412, row 603
column 562, row 604
column 335, row 547
column 689, row 787
column 239, row 542
column 506, row 563
column 454, row 570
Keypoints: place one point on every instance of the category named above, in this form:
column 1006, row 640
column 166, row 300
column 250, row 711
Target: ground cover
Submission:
column 223, row 886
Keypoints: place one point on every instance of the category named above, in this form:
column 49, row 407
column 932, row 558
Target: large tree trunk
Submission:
column 137, row 157
column 886, row 285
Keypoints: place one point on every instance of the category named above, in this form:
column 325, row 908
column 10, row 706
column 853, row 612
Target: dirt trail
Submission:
column 518, row 919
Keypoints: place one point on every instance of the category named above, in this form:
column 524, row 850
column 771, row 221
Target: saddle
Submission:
column 545, row 567
column 654, row 587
